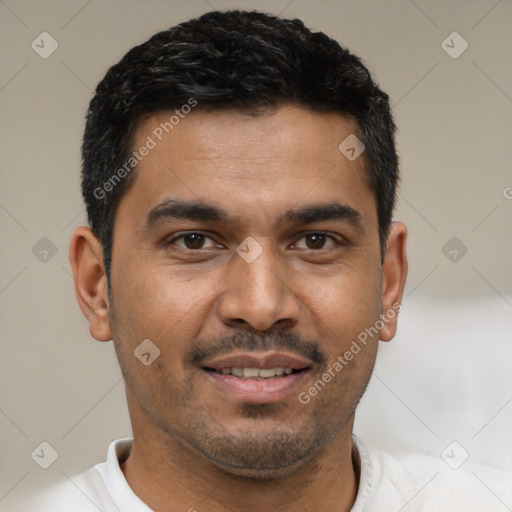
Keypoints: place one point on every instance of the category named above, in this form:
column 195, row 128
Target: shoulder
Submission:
column 81, row 493
column 421, row 482
column 87, row 491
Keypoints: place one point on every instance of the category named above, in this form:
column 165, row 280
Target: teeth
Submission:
column 251, row 372
column 256, row 373
column 270, row 372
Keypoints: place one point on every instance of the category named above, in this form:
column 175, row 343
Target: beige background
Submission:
column 454, row 119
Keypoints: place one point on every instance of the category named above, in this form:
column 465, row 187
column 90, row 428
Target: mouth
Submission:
column 256, row 373
column 257, row 378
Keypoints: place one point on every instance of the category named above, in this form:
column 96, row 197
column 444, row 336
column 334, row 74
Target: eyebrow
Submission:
column 171, row 209
column 188, row 210
column 323, row 212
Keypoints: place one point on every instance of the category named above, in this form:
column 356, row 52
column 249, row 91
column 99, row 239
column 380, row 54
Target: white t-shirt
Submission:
column 405, row 482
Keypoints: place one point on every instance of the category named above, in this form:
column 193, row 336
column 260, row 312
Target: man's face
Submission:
column 245, row 283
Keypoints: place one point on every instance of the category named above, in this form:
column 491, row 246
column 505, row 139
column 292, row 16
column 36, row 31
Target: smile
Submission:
column 255, row 373
column 257, row 378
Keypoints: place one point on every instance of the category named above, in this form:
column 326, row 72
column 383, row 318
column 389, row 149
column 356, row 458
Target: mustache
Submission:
column 283, row 340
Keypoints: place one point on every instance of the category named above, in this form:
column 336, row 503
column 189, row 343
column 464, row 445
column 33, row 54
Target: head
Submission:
column 226, row 220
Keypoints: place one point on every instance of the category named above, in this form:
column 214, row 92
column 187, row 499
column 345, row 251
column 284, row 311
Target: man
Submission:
column 239, row 173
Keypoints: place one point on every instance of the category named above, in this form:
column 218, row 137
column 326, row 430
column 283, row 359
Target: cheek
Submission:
column 343, row 303
column 161, row 304
column 153, row 295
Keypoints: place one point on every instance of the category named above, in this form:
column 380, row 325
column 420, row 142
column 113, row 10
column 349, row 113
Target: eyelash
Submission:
column 181, row 236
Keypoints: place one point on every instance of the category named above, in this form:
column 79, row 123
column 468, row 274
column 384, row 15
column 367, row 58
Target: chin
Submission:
column 261, row 474
column 263, row 457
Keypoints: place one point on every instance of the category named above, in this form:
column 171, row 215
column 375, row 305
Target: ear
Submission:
column 394, row 274
column 86, row 257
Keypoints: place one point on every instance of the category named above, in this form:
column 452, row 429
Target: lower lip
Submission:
column 257, row 391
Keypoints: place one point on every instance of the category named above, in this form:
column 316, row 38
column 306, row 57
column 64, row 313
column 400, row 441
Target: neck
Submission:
column 170, row 476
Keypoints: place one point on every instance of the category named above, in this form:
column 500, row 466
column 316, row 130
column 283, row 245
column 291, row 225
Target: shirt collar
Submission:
column 125, row 499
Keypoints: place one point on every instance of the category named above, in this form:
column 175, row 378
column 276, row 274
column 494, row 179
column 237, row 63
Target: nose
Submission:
column 259, row 295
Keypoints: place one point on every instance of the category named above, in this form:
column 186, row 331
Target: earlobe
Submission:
column 394, row 274
column 86, row 257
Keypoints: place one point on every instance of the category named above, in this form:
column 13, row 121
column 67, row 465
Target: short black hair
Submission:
column 249, row 61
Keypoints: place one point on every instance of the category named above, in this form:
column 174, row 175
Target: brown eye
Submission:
column 317, row 241
column 192, row 241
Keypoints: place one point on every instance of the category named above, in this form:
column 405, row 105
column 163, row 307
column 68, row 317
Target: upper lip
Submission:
column 258, row 360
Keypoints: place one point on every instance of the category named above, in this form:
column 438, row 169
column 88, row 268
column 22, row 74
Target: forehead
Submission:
column 254, row 166
column 226, row 134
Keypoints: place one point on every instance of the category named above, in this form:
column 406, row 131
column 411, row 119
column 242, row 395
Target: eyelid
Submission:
column 325, row 233
column 180, row 235
column 170, row 240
